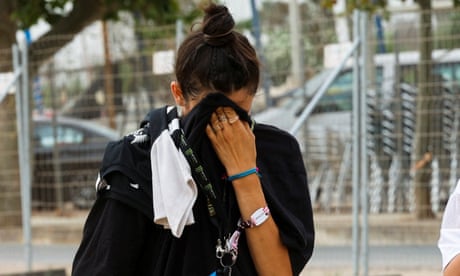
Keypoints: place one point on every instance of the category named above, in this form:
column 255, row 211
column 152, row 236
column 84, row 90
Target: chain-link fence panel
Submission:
column 106, row 79
column 10, row 192
column 103, row 83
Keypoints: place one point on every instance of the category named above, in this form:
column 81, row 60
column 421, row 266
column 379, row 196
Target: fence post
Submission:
column 23, row 125
column 265, row 74
column 355, row 148
column 363, row 144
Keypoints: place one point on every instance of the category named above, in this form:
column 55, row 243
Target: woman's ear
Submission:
column 177, row 94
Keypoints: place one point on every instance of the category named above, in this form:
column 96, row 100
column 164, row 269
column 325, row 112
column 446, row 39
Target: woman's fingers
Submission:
column 225, row 119
column 216, row 123
column 231, row 115
column 227, row 115
column 232, row 140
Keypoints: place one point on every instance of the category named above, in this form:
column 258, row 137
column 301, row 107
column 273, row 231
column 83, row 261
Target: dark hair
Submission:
column 216, row 58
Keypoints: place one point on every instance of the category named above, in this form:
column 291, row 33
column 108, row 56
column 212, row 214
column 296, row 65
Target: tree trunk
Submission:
column 10, row 196
column 423, row 149
column 108, row 78
column 8, row 35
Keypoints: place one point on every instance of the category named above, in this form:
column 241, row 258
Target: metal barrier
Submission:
column 21, row 83
column 338, row 184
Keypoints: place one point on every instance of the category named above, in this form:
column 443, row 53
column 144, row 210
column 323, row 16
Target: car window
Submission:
column 339, row 95
column 64, row 134
column 448, row 71
column 456, row 69
column 445, row 70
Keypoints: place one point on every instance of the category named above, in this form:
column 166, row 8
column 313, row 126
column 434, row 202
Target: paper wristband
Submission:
column 257, row 218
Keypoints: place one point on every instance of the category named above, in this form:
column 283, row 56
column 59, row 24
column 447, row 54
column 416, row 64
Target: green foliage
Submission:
column 28, row 12
column 328, row 4
column 447, row 33
column 366, row 5
column 245, row 24
column 164, row 11
column 279, row 60
column 191, row 16
column 317, row 28
column 370, row 5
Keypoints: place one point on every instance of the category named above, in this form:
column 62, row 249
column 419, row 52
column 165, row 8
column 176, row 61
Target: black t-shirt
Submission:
column 120, row 237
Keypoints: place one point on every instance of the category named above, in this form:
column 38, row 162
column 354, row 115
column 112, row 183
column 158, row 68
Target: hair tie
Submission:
column 218, row 39
column 207, row 36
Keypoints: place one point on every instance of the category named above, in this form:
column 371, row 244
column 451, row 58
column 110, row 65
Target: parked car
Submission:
column 67, row 155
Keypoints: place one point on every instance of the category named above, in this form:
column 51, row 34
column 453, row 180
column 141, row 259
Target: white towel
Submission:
column 173, row 188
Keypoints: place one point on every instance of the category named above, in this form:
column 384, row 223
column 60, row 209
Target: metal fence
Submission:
column 77, row 83
column 106, row 100
column 391, row 114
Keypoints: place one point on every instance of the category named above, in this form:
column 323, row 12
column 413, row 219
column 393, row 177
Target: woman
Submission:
column 229, row 196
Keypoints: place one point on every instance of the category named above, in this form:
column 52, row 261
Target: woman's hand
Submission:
column 232, row 140
column 234, row 144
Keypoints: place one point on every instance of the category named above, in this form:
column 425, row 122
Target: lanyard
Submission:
column 226, row 247
column 225, row 252
column 199, row 175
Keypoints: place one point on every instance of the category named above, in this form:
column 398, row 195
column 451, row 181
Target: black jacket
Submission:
column 120, row 237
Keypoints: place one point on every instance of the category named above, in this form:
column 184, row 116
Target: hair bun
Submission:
column 217, row 25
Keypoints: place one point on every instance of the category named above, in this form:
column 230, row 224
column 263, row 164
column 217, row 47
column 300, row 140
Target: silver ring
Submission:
column 234, row 119
column 222, row 118
column 217, row 127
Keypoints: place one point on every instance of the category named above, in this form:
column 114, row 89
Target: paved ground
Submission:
column 327, row 260
column 331, row 229
column 399, row 245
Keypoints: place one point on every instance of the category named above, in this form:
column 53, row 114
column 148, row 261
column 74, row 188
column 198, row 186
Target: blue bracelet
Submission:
column 243, row 174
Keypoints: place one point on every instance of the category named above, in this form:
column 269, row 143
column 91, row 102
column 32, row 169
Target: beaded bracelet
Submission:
column 243, row 174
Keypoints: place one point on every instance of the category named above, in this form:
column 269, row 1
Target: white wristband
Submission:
column 257, row 218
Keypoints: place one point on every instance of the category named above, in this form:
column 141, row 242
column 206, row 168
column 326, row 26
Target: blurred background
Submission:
column 369, row 88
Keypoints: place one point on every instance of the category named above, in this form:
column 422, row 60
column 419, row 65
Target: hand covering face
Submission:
column 157, row 251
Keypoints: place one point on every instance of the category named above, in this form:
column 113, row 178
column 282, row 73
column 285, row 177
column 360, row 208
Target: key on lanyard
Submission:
column 227, row 257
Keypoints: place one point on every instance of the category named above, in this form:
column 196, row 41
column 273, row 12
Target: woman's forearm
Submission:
column 269, row 254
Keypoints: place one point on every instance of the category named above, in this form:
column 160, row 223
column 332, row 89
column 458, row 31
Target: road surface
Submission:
column 405, row 260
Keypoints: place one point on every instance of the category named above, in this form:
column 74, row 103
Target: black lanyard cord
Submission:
column 215, row 209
